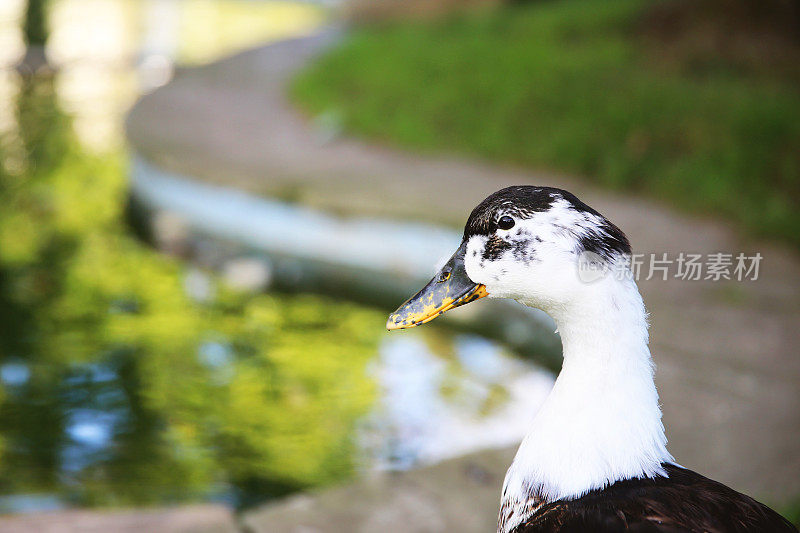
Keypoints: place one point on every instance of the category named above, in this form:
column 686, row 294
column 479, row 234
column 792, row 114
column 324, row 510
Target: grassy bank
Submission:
column 574, row 86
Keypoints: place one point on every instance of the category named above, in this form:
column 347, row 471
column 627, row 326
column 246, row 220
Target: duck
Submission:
column 595, row 458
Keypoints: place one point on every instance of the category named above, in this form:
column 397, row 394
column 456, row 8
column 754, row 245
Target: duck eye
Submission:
column 505, row 222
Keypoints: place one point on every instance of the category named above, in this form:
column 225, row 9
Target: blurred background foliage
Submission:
column 695, row 103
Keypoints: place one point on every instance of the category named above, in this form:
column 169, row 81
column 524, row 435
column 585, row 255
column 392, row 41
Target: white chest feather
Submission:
column 601, row 422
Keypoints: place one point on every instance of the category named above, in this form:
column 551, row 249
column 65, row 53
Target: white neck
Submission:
column 601, row 423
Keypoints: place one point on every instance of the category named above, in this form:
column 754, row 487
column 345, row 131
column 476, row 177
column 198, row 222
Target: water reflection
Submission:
column 113, row 388
column 442, row 397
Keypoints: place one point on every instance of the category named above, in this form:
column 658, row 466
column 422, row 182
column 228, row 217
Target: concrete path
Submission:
column 727, row 352
column 210, row 518
column 458, row 495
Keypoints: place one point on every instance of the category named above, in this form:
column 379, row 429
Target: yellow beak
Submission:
column 450, row 288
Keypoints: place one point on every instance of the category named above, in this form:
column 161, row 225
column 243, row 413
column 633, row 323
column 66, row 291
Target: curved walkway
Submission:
column 727, row 352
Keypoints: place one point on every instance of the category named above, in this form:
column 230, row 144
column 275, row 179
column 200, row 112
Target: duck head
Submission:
column 539, row 245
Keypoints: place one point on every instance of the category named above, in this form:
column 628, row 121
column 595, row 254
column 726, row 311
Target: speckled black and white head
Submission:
column 528, row 243
column 539, row 245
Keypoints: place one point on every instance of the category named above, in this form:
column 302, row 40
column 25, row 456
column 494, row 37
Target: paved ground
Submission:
column 210, row 518
column 727, row 353
column 459, row 495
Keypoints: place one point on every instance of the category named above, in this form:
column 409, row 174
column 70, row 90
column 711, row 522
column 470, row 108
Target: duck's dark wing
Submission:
column 684, row 501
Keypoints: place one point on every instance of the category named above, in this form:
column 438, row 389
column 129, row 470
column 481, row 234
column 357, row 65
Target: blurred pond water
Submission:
column 128, row 377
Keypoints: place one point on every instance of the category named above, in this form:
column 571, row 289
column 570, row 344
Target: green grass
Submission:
column 571, row 86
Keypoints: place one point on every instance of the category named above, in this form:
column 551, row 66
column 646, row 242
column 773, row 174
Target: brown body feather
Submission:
column 683, row 502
